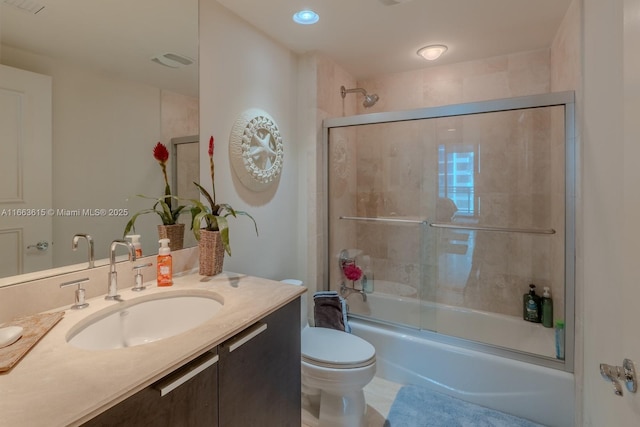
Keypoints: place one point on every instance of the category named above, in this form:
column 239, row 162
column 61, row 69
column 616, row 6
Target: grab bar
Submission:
column 489, row 228
column 392, row 220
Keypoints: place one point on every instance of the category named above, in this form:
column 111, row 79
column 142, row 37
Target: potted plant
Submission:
column 213, row 238
column 163, row 206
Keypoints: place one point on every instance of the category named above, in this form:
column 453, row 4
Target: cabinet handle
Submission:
column 250, row 334
column 167, row 386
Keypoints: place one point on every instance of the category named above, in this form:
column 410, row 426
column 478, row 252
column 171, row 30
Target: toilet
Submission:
column 336, row 366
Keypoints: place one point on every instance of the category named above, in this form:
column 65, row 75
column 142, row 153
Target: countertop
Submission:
column 56, row 384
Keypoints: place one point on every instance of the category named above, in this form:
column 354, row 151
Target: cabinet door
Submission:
column 187, row 397
column 259, row 376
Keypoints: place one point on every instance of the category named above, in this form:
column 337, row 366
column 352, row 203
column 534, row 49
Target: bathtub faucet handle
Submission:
column 626, row 373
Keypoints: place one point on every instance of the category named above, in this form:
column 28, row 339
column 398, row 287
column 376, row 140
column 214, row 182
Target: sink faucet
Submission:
column 74, row 246
column 112, row 293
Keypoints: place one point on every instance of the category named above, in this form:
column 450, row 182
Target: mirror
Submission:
column 111, row 103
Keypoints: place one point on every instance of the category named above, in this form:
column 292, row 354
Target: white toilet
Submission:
column 336, row 366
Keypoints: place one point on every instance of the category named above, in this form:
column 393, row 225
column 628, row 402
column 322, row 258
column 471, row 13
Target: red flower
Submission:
column 211, row 147
column 352, row 272
column 160, row 153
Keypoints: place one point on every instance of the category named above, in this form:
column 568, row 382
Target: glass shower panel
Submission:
column 442, row 223
column 378, row 207
column 502, row 176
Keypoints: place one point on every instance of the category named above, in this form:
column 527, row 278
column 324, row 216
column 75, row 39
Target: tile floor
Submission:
column 379, row 395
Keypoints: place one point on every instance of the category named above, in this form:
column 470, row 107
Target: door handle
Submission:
column 169, row 384
column 41, row 246
column 247, row 336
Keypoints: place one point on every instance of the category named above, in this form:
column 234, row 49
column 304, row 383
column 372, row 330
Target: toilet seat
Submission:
column 331, row 348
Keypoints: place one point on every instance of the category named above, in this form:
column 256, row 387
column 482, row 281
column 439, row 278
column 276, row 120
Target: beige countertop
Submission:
column 56, row 384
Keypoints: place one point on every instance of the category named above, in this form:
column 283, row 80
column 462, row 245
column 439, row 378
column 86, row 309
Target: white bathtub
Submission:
column 410, row 356
column 490, row 328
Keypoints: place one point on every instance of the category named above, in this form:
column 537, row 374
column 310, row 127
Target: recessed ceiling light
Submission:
column 432, row 52
column 306, row 17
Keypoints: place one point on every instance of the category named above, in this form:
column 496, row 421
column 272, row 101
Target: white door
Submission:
column 25, row 172
column 630, row 318
column 609, row 291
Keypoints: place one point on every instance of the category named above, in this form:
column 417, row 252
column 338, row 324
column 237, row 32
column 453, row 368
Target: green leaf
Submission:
column 207, row 196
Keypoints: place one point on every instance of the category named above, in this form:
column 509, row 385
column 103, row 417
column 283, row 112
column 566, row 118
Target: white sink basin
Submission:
column 144, row 320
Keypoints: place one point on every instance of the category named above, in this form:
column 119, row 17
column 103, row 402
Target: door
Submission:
column 608, row 285
column 259, row 373
column 25, row 163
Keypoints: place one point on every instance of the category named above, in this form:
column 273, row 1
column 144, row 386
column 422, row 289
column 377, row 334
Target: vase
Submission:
column 175, row 234
column 211, row 253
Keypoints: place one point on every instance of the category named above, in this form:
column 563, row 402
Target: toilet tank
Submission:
column 303, row 302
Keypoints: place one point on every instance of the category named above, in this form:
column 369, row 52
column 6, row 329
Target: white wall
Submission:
column 240, row 68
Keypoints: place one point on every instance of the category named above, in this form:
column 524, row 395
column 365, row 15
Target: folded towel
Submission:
column 330, row 311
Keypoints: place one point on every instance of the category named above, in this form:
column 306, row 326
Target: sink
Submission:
column 144, row 320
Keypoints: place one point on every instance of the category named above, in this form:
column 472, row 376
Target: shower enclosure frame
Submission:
column 555, row 99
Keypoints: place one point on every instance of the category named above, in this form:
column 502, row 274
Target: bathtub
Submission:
column 490, row 328
column 411, row 356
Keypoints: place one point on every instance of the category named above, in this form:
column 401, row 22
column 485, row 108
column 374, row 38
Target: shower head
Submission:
column 369, row 100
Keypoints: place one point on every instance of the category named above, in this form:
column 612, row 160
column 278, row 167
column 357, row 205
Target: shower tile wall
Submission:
column 395, row 169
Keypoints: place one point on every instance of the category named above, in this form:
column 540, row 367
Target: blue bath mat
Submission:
column 420, row 407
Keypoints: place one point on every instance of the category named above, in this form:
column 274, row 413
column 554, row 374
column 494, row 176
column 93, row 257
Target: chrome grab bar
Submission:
column 382, row 219
column 449, row 225
column 489, row 228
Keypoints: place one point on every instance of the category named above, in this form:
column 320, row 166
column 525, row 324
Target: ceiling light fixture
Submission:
column 306, row 17
column 432, row 52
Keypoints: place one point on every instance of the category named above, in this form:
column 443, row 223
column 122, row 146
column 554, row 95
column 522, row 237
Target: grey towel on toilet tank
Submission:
column 330, row 311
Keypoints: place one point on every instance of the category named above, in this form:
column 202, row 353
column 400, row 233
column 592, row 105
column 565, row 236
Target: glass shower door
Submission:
column 451, row 214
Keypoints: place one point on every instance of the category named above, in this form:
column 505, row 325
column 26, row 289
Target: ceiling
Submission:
column 371, row 37
column 115, row 36
column 366, row 37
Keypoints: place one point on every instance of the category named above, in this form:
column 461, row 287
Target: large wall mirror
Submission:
column 111, row 102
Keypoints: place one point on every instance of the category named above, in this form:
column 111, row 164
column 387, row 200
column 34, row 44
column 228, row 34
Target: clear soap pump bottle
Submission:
column 165, row 264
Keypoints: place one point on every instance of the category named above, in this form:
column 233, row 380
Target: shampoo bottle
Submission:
column 547, row 309
column 165, row 267
column 135, row 241
column 560, row 339
column 531, row 305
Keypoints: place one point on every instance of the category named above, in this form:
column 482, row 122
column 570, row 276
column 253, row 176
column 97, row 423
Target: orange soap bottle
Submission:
column 165, row 267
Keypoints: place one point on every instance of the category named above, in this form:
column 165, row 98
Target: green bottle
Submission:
column 547, row 309
column 531, row 305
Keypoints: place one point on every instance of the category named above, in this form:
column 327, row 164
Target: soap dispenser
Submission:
column 547, row 308
column 135, row 241
column 531, row 305
column 165, row 267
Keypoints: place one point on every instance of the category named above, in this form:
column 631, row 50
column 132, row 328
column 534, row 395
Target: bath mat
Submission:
column 417, row 406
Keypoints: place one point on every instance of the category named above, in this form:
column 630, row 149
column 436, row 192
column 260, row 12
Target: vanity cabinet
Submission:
column 188, row 397
column 252, row 379
column 259, row 372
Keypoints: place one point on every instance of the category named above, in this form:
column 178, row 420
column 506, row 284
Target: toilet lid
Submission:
column 335, row 349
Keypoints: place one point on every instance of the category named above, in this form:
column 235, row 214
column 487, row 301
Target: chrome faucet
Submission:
column 74, row 246
column 112, row 292
column 348, row 290
column 625, row 373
